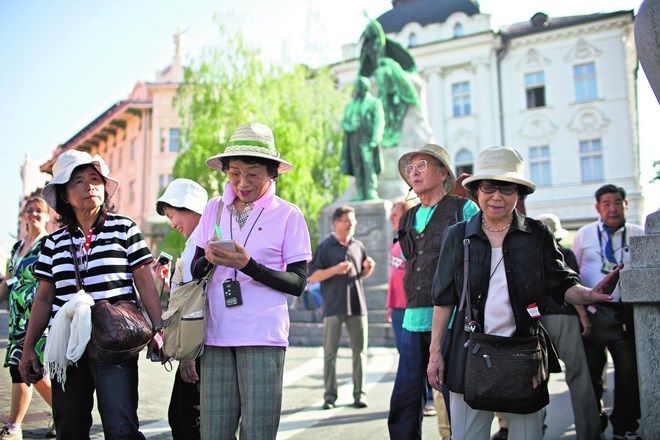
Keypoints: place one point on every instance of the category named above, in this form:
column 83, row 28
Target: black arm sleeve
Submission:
column 200, row 266
column 293, row 281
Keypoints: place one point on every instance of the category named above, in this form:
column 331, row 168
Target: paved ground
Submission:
column 302, row 416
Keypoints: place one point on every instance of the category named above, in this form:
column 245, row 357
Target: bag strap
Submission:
column 74, row 258
column 466, row 285
column 218, row 216
column 470, row 324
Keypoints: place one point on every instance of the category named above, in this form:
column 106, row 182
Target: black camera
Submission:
column 164, row 258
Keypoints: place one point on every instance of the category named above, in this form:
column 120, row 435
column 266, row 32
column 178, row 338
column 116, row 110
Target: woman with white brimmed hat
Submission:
column 112, row 257
column 514, row 270
column 183, row 203
column 248, row 320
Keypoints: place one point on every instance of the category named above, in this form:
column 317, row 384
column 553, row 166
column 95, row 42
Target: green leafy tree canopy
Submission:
column 230, row 85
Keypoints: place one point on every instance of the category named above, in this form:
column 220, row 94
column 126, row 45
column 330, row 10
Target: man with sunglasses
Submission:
column 599, row 247
column 428, row 173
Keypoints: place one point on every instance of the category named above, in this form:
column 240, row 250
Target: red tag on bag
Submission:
column 158, row 339
column 533, row 311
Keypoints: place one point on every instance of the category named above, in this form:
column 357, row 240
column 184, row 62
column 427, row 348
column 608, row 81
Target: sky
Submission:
column 66, row 61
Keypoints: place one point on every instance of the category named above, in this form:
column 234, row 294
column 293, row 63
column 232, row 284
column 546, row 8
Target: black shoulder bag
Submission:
column 505, row 374
column 119, row 330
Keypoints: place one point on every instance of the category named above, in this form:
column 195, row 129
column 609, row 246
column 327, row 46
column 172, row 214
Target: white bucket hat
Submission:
column 504, row 164
column 183, row 193
column 64, row 166
column 553, row 222
column 254, row 140
column 434, row 151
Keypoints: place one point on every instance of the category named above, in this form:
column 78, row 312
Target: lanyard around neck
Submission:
column 231, row 233
column 611, row 241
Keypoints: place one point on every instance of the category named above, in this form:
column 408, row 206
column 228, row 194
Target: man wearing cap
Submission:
column 183, row 203
column 599, row 247
column 340, row 263
column 563, row 326
column 427, row 171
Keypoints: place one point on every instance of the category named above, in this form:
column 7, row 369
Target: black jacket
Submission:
column 535, row 271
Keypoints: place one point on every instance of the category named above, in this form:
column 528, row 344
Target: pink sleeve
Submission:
column 297, row 246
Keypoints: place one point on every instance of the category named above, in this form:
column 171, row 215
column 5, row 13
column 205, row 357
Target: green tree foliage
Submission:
column 230, row 85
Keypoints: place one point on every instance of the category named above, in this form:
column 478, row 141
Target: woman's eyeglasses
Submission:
column 507, row 190
column 420, row 165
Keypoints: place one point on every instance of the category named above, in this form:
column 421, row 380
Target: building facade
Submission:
column 562, row 91
column 139, row 138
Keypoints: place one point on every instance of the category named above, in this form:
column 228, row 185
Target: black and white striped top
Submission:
column 116, row 249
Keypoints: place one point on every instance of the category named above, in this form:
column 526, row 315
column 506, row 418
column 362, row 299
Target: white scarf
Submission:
column 69, row 335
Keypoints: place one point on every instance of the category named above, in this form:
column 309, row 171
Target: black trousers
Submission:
column 183, row 413
column 607, row 334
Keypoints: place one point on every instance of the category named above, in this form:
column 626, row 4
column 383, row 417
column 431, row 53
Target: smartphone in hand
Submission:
column 164, row 258
column 225, row 244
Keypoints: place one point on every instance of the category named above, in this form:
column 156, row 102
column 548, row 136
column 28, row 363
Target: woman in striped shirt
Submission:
column 112, row 257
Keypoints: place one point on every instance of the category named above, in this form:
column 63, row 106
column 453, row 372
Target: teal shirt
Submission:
column 420, row 319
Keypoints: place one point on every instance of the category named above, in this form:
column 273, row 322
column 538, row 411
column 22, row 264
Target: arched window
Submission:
column 458, row 30
column 464, row 162
column 412, row 40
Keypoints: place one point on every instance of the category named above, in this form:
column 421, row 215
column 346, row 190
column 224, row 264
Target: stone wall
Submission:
column 640, row 285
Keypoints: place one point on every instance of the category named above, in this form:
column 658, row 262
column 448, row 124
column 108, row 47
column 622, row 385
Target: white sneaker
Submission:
column 11, row 434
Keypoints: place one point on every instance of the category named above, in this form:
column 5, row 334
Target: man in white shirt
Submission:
column 599, row 247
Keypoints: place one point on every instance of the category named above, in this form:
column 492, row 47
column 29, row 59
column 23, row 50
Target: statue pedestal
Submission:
column 373, row 229
column 647, row 27
column 639, row 286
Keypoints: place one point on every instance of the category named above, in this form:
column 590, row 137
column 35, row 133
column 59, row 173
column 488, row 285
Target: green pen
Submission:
column 218, row 232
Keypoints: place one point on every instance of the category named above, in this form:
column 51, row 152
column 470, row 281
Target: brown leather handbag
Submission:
column 119, row 329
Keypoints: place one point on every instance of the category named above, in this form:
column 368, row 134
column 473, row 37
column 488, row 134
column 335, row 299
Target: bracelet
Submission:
column 159, row 329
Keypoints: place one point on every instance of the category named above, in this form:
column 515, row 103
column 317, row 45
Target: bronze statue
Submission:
column 363, row 125
column 393, row 66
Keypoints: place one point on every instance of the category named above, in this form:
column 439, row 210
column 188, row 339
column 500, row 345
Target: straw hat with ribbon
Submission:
column 64, row 166
column 503, row 164
column 432, row 150
column 253, row 140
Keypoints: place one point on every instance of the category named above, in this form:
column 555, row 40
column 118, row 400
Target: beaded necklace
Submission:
column 483, row 221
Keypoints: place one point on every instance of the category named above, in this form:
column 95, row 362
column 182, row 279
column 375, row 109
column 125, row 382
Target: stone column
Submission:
column 482, row 96
column 640, row 286
column 435, row 100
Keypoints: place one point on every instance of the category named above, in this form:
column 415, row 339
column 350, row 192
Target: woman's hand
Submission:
column 30, row 367
column 188, row 371
column 220, row 256
column 162, row 272
column 436, row 370
column 602, row 292
column 607, row 285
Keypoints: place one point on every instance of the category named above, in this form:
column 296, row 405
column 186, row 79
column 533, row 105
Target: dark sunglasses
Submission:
column 507, row 190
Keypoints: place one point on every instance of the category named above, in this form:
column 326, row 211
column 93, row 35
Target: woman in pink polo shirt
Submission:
column 247, row 326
